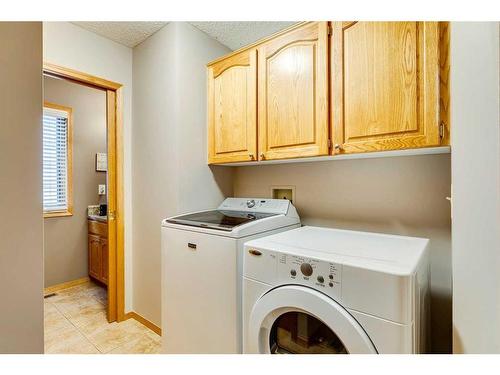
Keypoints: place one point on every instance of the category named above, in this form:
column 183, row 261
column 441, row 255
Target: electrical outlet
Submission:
column 102, row 189
column 283, row 192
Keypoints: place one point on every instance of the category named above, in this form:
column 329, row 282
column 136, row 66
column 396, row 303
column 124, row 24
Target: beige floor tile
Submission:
column 77, row 313
column 71, row 306
column 142, row 345
column 74, row 344
column 58, row 339
column 99, row 293
column 75, row 322
column 90, row 324
column 133, row 325
column 113, row 336
column 153, row 335
column 48, row 308
column 54, row 321
column 70, row 292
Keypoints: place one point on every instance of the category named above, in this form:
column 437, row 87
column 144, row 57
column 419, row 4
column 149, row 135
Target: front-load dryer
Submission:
column 202, row 261
column 320, row 290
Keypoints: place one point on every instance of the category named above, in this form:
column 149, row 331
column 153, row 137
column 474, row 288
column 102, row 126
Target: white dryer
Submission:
column 202, row 260
column 320, row 290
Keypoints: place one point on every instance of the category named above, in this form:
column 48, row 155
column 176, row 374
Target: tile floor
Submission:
column 75, row 323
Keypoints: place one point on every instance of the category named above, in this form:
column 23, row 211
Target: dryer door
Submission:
column 299, row 320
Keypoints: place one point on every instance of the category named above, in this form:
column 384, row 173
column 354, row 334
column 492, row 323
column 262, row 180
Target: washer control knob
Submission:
column 321, row 279
column 250, row 203
column 306, row 269
column 293, row 272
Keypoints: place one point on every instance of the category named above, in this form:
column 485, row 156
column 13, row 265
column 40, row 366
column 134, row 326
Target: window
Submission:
column 57, row 161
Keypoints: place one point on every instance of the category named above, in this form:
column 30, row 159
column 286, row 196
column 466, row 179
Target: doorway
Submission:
column 106, row 242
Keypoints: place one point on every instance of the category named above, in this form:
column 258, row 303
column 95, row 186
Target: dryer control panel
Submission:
column 278, row 268
column 318, row 274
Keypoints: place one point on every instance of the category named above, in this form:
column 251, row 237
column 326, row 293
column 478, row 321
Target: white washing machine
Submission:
column 202, row 257
column 320, row 290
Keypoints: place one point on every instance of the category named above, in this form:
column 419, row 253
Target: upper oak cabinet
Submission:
column 385, row 86
column 232, row 109
column 293, row 93
column 320, row 88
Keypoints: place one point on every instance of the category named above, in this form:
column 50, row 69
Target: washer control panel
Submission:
column 262, row 205
column 318, row 274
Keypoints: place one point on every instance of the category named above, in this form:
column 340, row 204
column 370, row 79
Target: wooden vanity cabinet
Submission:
column 385, row 86
column 98, row 250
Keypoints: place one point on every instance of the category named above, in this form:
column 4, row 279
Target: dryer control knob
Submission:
column 306, row 269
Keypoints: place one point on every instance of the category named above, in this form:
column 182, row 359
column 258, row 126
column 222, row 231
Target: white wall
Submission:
column 400, row 195
column 169, row 147
column 73, row 47
column 21, row 230
column 476, row 186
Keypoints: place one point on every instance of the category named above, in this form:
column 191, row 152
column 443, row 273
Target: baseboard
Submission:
column 153, row 327
column 66, row 285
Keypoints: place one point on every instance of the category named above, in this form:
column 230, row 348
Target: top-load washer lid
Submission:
column 219, row 219
column 238, row 217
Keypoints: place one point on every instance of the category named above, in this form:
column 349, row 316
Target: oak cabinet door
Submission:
column 385, row 85
column 232, row 117
column 104, row 261
column 95, row 262
column 293, row 94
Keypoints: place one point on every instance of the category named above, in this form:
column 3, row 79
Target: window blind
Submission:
column 55, row 160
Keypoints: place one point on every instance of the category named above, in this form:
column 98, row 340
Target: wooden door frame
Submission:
column 114, row 131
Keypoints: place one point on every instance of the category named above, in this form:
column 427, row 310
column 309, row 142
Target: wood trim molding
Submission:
column 153, row 327
column 444, row 80
column 120, row 209
column 66, row 285
column 111, row 185
column 69, row 160
column 75, row 75
column 50, row 214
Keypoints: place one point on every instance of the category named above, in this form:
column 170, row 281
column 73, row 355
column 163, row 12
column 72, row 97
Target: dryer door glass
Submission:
column 300, row 333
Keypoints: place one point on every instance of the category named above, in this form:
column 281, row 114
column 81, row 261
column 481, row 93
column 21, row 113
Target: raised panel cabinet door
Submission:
column 385, row 85
column 293, row 94
column 232, row 109
column 95, row 262
column 104, row 261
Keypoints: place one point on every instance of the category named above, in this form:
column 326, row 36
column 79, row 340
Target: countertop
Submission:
column 103, row 219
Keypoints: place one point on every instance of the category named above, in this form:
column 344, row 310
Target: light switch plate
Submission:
column 101, row 162
column 102, row 189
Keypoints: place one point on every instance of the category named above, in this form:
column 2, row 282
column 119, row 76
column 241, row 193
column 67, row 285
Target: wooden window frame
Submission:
column 69, row 161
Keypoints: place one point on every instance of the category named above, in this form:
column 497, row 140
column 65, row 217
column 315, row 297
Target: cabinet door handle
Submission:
column 251, row 156
column 262, row 156
column 338, row 147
